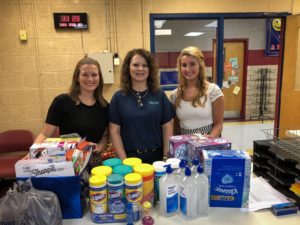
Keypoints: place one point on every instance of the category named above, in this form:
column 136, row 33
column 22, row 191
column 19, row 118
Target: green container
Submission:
column 112, row 162
column 122, row 170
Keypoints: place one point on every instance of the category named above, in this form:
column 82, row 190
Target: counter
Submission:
column 217, row 216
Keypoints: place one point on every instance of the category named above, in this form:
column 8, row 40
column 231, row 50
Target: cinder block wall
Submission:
column 33, row 72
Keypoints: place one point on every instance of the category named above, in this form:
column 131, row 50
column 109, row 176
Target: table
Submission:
column 217, row 216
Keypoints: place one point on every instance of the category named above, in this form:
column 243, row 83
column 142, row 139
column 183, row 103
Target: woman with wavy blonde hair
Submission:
column 199, row 104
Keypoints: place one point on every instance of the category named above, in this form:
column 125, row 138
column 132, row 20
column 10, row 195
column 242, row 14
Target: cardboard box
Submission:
column 47, row 148
column 177, row 146
column 196, row 146
column 228, row 172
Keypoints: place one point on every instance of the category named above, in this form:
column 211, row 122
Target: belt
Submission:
column 146, row 151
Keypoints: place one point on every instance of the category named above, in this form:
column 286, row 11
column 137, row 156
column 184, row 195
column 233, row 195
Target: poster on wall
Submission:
column 273, row 26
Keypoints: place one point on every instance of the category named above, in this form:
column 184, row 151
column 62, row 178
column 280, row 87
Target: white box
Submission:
column 229, row 173
column 47, row 148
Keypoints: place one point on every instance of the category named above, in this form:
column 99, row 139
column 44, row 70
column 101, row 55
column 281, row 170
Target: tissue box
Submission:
column 229, row 174
column 47, row 148
column 177, row 146
column 196, row 146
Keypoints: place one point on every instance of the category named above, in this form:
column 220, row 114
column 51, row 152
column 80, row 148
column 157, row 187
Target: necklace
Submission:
column 139, row 97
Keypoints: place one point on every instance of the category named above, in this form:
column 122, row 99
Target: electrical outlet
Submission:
column 23, row 35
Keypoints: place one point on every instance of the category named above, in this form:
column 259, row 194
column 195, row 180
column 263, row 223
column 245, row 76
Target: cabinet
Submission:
column 105, row 60
column 272, row 162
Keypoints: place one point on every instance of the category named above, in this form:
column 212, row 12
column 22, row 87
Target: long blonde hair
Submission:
column 201, row 84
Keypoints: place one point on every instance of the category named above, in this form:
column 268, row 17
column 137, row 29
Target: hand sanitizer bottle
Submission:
column 195, row 164
column 168, row 204
column 180, row 171
column 188, row 196
column 202, row 192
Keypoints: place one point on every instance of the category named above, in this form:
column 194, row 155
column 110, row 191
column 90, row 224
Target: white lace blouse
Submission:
column 194, row 118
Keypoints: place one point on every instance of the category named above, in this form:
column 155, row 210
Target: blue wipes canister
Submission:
column 116, row 196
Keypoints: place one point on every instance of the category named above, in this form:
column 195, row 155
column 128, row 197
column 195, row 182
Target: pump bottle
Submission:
column 188, row 196
column 202, row 192
column 168, row 193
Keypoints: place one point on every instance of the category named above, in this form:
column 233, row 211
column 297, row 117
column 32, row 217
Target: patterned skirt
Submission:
column 202, row 130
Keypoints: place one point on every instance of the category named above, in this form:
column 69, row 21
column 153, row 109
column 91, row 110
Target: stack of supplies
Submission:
column 55, row 159
column 189, row 147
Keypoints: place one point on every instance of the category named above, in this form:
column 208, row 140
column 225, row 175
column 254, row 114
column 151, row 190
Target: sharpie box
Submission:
column 177, row 146
column 229, row 174
column 195, row 146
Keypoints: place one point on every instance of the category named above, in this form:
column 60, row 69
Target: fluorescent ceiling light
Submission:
column 163, row 32
column 212, row 24
column 193, row 34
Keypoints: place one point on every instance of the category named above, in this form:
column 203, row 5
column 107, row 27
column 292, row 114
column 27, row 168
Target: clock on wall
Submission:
column 70, row 20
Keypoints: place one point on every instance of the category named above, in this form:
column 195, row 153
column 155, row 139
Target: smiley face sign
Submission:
column 276, row 24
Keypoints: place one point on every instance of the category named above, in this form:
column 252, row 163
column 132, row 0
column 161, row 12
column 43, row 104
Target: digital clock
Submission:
column 70, row 20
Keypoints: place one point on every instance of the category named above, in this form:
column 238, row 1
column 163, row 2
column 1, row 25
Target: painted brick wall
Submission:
column 32, row 73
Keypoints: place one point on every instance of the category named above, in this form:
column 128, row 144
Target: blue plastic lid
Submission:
column 182, row 163
column 195, row 162
column 122, row 169
column 112, row 162
column 200, row 169
column 188, row 171
column 169, row 168
column 115, row 179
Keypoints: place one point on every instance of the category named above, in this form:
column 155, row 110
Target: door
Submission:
column 233, row 78
column 289, row 108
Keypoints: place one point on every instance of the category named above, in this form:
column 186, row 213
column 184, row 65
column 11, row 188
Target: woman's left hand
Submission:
column 98, row 147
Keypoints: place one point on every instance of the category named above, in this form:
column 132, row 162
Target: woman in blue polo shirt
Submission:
column 140, row 114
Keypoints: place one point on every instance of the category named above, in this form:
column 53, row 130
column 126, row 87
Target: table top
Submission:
column 217, row 216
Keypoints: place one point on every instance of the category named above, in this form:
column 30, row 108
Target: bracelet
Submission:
column 165, row 158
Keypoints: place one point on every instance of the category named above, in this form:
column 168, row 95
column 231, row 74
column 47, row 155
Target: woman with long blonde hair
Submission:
column 199, row 104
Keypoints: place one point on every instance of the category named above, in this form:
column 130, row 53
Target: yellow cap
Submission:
column 97, row 180
column 132, row 161
column 133, row 178
column 101, row 170
column 144, row 169
column 147, row 205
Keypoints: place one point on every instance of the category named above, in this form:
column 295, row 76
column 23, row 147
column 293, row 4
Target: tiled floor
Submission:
column 242, row 134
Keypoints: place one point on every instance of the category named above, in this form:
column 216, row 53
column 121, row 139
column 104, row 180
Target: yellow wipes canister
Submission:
column 132, row 161
column 134, row 193
column 147, row 172
column 101, row 170
column 98, row 194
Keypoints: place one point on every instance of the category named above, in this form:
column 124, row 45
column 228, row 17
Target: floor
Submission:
column 242, row 134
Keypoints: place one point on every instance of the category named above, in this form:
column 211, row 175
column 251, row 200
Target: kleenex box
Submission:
column 177, row 146
column 195, row 146
column 229, row 174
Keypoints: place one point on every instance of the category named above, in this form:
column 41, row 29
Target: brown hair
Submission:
column 201, row 84
column 152, row 80
column 75, row 87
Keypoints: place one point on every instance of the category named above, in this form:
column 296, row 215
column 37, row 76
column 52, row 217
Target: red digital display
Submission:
column 70, row 20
